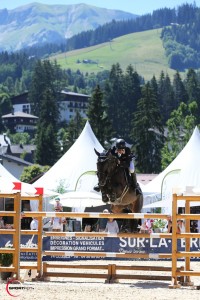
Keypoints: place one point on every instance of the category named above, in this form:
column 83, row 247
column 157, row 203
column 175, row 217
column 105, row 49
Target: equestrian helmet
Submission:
column 120, row 144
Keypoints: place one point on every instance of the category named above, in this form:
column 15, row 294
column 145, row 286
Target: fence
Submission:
column 111, row 269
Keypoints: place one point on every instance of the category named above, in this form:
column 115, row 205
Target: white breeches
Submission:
column 131, row 167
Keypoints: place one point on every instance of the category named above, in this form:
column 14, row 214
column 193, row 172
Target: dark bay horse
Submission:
column 114, row 181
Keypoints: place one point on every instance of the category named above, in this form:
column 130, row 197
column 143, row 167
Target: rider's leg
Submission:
column 133, row 181
column 133, row 175
column 135, row 184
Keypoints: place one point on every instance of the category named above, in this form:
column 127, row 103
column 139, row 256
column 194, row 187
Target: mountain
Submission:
column 37, row 23
column 143, row 50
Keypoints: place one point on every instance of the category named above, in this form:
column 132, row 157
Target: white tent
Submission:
column 181, row 173
column 10, row 185
column 75, row 170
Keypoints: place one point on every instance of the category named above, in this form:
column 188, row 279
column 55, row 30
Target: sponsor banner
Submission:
column 96, row 244
column 27, row 241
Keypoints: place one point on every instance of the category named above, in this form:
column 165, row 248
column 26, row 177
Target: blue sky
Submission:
column 134, row 6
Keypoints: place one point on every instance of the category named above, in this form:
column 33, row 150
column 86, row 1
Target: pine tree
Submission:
column 114, row 99
column 48, row 148
column 45, row 90
column 180, row 94
column 132, row 92
column 147, row 132
column 165, row 96
column 74, row 129
column 97, row 116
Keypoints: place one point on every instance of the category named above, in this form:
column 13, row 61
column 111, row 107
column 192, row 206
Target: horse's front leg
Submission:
column 104, row 195
column 113, row 197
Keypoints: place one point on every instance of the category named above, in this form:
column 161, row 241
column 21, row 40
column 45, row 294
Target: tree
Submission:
column 192, row 86
column 165, row 96
column 74, row 128
column 45, row 88
column 147, row 132
column 180, row 94
column 97, row 116
column 31, row 172
column 20, row 138
column 48, row 148
column 46, row 74
column 180, row 127
column 132, row 93
column 114, row 99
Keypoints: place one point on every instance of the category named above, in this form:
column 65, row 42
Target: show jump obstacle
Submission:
column 108, row 272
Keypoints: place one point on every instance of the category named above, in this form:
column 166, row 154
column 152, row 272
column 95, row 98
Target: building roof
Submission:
column 19, row 149
column 16, row 160
column 19, row 99
column 74, row 94
column 19, row 114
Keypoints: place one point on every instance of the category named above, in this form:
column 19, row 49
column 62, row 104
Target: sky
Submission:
column 138, row 7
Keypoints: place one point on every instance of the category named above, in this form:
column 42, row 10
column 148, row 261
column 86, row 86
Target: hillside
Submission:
column 36, row 23
column 143, row 50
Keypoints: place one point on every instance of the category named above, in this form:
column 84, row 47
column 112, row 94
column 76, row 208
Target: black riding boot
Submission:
column 96, row 188
column 135, row 185
column 133, row 181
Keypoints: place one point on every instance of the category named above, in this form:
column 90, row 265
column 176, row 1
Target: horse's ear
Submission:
column 97, row 153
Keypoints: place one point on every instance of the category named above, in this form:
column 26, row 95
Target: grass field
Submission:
column 143, row 50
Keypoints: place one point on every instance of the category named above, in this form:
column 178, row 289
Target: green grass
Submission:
column 143, row 50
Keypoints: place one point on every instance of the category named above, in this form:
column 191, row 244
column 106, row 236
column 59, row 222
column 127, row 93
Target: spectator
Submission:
column 169, row 224
column 101, row 224
column 2, row 223
column 180, row 226
column 112, row 226
column 58, row 205
column 34, row 224
column 193, row 226
column 88, row 228
column 57, row 222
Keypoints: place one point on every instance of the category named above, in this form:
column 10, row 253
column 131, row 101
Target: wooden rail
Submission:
column 111, row 274
column 187, row 254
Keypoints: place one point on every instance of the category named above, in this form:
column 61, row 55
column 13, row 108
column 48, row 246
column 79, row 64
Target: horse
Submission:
column 114, row 182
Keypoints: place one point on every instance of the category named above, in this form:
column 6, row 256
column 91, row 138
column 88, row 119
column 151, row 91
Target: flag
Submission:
column 17, row 186
column 39, row 191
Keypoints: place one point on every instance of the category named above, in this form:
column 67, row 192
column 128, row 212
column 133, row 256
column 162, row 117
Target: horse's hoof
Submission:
column 105, row 200
column 112, row 200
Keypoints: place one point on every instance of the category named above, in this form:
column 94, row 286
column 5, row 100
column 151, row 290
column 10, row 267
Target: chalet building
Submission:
column 19, row 121
column 20, row 103
column 70, row 103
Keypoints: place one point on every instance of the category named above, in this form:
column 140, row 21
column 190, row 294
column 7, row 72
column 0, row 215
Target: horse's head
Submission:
column 106, row 166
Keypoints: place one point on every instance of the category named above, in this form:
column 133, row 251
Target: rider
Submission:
column 125, row 157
